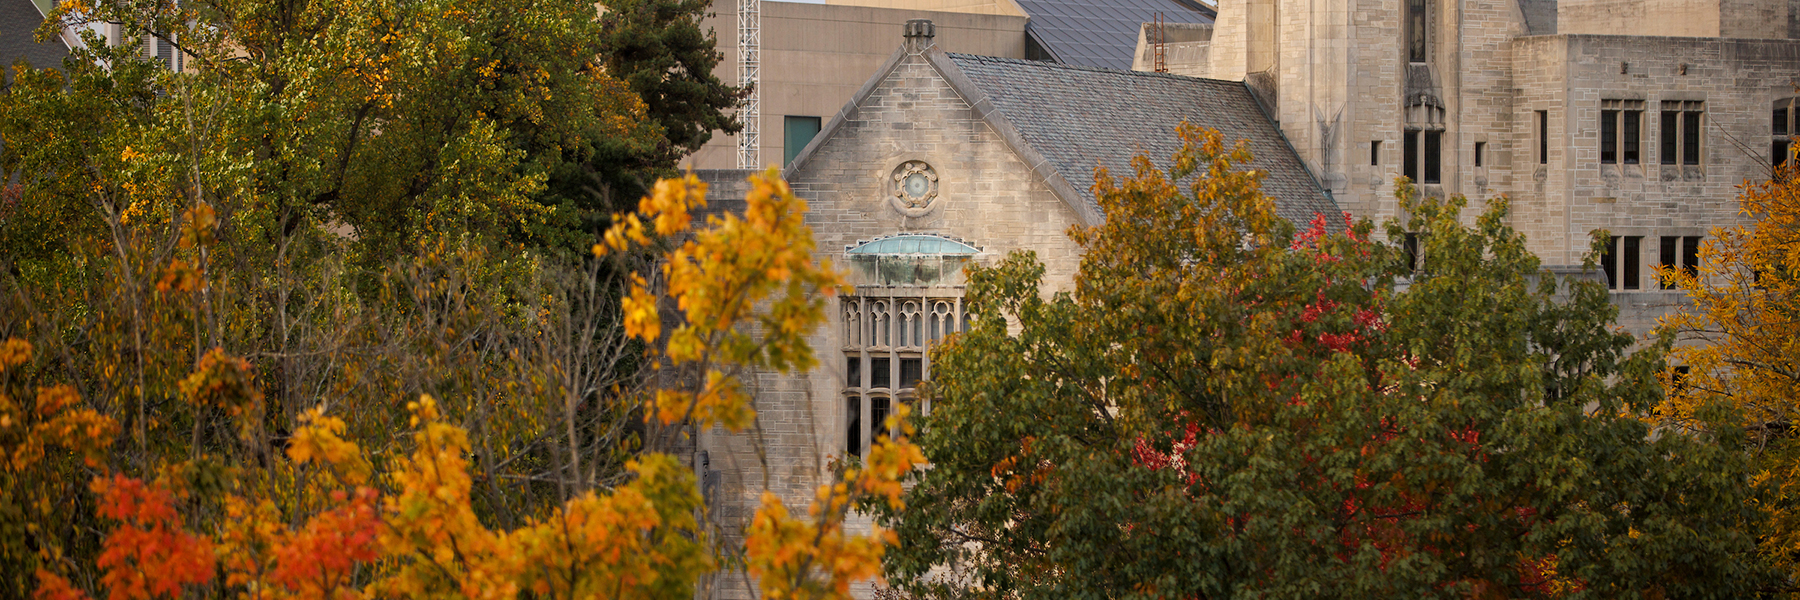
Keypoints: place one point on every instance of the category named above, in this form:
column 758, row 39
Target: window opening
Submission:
column 1621, row 123
column 1423, row 162
column 1375, row 153
column 1782, row 127
column 1416, row 32
column 797, row 133
column 1622, row 262
column 887, row 343
column 1480, row 147
column 1681, row 127
column 1543, row 130
column 1682, row 252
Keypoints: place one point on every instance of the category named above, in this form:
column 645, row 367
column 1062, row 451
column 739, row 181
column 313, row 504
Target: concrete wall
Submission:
column 1752, row 19
column 816, row 56
column 983, row 7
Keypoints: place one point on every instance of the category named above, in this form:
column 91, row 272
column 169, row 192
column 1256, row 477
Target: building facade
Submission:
column 1640, row 118
column 939, row 161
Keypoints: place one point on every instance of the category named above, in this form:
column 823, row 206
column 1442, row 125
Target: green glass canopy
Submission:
column 912, row 245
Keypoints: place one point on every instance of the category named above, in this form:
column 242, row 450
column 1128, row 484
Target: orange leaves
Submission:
column 56, row 421
column 318, row 560
column 149, row 555
column 53, row 587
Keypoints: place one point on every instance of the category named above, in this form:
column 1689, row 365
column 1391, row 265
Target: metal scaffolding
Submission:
column 750, row 74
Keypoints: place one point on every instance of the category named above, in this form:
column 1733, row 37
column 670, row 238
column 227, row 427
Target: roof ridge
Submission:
column 1069, row 67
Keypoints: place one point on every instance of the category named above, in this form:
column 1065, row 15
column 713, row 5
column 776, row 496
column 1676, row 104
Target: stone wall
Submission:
column 988, row 197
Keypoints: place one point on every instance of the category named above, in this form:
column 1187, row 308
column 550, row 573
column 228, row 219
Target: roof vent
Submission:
column 919, row 34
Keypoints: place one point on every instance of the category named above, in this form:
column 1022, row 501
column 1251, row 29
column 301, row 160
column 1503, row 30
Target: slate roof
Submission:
column 1102, row 33
column 18, row 18
column 1079, row 118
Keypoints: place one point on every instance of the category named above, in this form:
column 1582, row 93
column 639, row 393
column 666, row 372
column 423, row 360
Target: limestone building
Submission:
column 1633, row 116
column 815, row 56
column 940, row 160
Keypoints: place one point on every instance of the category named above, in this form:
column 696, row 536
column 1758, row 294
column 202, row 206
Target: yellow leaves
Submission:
column 786, row 553
column 641, row 318
column 640, row 541
column 318, row 438
column 14, row 352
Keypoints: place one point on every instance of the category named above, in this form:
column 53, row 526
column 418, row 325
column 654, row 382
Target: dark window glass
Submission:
column 911, row 371
column 1690, row 138
column 1781, row 121
column 878, row 414
column 1433, row 156
column 1411, row 246
column 1543, row 119
column 1479, row 148
column 853, row 428
column 1690, row 255
column 853, row 372
column 1633, row 278
column 878, row 373
column 1609, row 137
column 1667, row 256
column 1375, row 152
column 1634, row 120
column 1608, row 261
column 1409, row 156
column 1778, row 152
column 798, row 132
column 1670, row 133
column 1415, row 25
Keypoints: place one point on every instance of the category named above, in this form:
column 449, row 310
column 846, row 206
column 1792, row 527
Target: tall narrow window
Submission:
column 1682, row 123
column 1409, row 155
column 1609, row 137
column 1434, row 147
column 1543, row 135
column 1622, row 262
column 1375, row 153
column 1416, row 33
column 1620, row 124
column 1781, row 131
column 1480, row 148
column 1680, row 252
column 1629, row 130
column 1670, row 135
column 1423, row 160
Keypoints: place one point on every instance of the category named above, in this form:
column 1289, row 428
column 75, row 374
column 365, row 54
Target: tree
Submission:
column 320, row 516
column 1741, row 350
column 657, row 47
column 1225, row 407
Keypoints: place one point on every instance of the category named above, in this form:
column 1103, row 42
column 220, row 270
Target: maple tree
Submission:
column 325, row 517
column 1226, row 406
column 1741, row 350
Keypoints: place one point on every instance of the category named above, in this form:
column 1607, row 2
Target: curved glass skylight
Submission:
column 914, row 245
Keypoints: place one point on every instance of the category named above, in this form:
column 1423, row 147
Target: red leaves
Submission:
column 149, row 554
column 320, row 558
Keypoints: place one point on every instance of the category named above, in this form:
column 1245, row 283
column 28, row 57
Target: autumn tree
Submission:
column 1741, row 349
column 1228, row 407
column 228, row 510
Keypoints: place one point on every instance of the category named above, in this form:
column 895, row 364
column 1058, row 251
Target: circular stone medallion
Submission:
column 915, row 187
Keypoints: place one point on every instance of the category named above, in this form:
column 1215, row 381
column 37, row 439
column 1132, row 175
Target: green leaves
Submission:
column 1228, row 407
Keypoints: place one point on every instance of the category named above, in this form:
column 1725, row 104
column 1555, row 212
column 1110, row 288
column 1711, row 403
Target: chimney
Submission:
column 919, row 34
